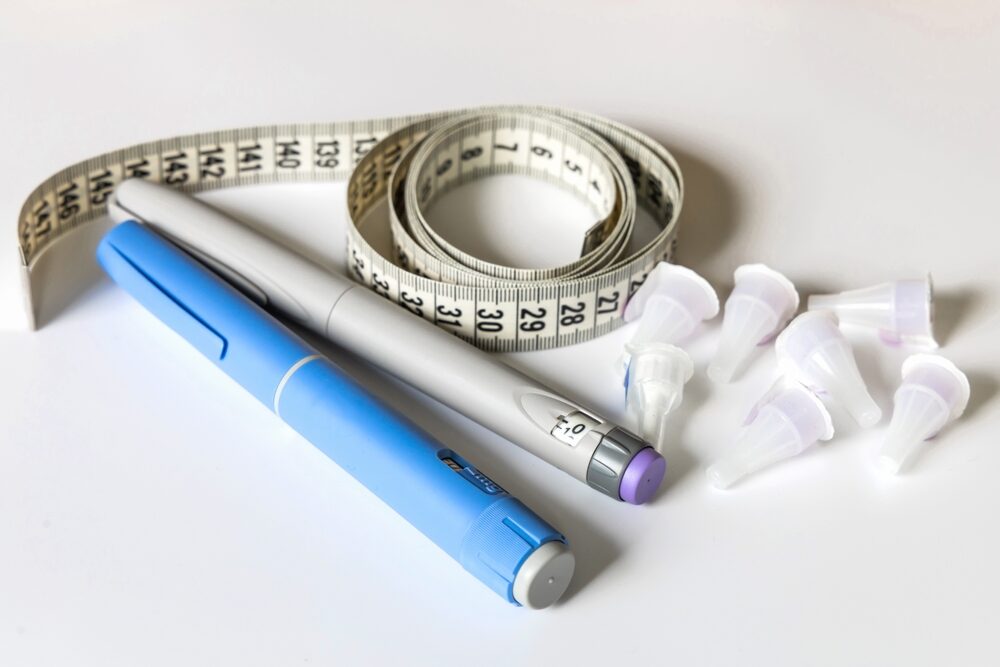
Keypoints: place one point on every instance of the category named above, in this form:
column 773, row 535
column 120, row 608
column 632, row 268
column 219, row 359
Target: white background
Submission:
column 152, row 514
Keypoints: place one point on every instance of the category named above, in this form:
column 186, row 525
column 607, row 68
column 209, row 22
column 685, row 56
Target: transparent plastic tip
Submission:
column 790, row 421
column 902, row 311
column 761, row 303
column 814, row 351
column 654, row 386
column 672, row 302
column 934, row 392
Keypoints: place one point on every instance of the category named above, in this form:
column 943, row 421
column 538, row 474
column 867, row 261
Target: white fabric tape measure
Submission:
column 412, row 161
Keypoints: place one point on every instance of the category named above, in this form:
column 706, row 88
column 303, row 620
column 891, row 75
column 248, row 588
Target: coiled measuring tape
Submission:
column 412, row 161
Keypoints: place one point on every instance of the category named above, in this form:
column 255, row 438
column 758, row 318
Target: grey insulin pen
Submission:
column 557, row 430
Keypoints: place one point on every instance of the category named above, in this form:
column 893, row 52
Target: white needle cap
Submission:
column 934, row 392
column 672, row 302
column 813, row 350
column 654, row 386
column 789, row 421
column 761, row 303
column 903, row 311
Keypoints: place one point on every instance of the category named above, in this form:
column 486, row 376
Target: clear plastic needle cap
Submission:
column 672, row 302
column 902, row 311
column 934, row 392
column 762, row 301
column 787, row 421
column 813, row 350
column 654, row 386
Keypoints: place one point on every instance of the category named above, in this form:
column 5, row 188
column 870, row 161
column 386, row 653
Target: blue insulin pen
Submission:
column 493, row 535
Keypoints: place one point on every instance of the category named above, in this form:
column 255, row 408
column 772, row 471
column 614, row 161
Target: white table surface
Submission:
column 152, row 514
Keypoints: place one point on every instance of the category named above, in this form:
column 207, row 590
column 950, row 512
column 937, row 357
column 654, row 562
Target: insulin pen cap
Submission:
column 213, row 316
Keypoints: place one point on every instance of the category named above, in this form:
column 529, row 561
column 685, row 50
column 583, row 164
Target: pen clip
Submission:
column 159, row 301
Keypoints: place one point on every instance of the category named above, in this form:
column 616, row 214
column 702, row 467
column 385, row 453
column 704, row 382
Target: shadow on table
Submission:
column 984, row 388
column 710, row 213
column 953, row 307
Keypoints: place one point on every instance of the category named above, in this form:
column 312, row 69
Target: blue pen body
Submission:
column 493, row 535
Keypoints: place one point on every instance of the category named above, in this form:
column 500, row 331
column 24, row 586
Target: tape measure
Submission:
column 412, row 161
